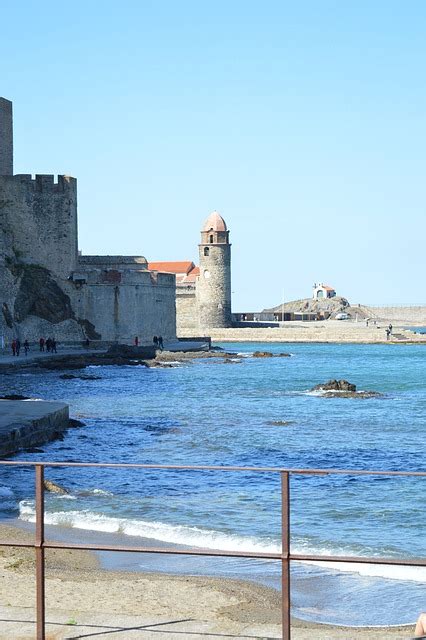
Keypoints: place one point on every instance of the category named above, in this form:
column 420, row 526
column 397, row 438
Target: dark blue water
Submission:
column 209, row 412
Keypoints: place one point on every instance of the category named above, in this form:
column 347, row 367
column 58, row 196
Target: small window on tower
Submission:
column 206, row 251
column 211, row 239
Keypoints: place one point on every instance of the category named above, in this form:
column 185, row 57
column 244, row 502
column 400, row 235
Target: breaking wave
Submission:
column 183, row 535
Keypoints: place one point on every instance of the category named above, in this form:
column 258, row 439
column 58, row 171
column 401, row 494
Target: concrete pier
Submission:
column 30, row 423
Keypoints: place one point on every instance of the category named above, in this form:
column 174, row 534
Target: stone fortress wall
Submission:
column 47, row 289
column 186, row 311
column 124, row 302
column 39, row 218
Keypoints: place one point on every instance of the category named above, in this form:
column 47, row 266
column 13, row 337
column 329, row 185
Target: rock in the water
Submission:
column 268, row 354
column 55, row 488
column 335, row 385
column 72, row 422
column 280, row 423
column 344, row 389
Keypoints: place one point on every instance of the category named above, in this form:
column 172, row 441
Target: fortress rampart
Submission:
column 39, row 220
column 114, row 262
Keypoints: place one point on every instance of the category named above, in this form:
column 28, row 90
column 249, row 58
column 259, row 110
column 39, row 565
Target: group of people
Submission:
column 158, row 342
column 16, row 346
column 48, row 345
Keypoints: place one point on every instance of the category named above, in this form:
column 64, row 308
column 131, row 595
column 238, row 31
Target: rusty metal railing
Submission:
column 286, row 557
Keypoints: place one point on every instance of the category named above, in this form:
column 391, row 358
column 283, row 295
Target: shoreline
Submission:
column 78, row 589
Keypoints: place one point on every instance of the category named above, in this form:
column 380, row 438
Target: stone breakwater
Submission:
column 29, row 423
column 324, row 331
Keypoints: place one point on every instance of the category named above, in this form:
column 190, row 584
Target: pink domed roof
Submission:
column 215, row 222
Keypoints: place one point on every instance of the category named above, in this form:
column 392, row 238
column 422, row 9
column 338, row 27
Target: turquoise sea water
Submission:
column 216, row 413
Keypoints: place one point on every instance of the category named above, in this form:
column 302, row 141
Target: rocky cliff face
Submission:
column 35, row 303
column 332, row 306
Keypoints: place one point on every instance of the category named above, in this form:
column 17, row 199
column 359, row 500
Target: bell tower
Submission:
column 214, row 281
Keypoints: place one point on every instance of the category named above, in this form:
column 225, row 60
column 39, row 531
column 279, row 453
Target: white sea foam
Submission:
column 208, row 539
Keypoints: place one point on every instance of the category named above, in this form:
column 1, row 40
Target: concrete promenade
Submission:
column 29, row 423
column 7, row 359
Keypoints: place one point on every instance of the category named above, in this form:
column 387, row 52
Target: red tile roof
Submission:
column 172, row 267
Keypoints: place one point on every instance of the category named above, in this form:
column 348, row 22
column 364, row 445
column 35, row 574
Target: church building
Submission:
column 203, row 293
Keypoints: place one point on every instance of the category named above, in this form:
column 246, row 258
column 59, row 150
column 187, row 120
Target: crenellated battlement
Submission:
column 42, row 183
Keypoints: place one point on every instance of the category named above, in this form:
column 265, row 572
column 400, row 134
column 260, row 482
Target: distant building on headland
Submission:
column 323, row 291
column 47, row 288
column 203, row 293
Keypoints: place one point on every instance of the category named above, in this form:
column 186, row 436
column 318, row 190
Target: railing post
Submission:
column 39, row 552
column 285, row 554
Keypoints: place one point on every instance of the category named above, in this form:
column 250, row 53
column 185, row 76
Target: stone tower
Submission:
column 6, row 138
column 214, row 282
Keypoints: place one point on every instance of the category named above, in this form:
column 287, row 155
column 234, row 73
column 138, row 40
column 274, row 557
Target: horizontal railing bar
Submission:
column 405, row 562
column 166, row 550
column 124, row 465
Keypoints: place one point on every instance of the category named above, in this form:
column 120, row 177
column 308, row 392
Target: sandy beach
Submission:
column 83, row 600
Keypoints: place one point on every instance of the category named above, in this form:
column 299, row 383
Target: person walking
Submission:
column 136, row 341
column 390, row 328
column 26, row 347
column 42, row 342
column 155, row 341
column 160, row 342
column 48, row 345
column 53, row 346
column 18, row 346
column 13, row 345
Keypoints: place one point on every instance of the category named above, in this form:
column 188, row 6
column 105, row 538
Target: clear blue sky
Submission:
column 302, row 123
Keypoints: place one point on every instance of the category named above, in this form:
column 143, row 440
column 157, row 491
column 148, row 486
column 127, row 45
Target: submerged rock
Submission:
column 71, row 376
column 72, row 422
column 280, row 423
column 268, row 354
column 14, row 396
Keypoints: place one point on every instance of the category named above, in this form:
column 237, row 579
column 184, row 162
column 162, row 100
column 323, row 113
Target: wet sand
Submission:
column 82, row 598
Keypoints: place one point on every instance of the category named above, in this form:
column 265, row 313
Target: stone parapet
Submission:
column 114, row 262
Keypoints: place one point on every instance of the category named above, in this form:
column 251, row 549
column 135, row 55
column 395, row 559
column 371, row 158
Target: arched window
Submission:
column 211, row 239
column 206, row 251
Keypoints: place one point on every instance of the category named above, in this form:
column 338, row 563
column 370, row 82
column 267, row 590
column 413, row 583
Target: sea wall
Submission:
column 333, row 331
column 30, row 423
column 411, row 314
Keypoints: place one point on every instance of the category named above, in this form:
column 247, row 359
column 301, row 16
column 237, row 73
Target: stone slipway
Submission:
column 30, row 423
